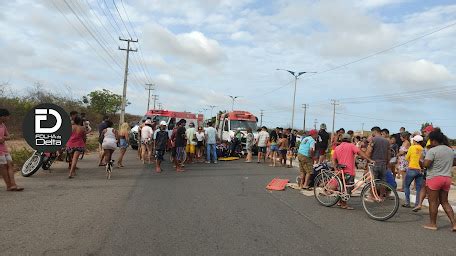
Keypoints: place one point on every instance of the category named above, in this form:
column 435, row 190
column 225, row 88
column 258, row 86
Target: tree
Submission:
column 103, row 102
column 425, row 125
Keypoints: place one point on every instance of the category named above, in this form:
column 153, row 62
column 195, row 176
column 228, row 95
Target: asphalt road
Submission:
column 221, row 209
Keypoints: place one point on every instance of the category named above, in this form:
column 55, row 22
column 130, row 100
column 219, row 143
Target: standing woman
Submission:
column 249, row 145
column 274, row 147
column 402, row 163
column 439, row 161
column 109, row 142
column 123, row 143
column 414, row 171
column 200, row 139
column 76, row 144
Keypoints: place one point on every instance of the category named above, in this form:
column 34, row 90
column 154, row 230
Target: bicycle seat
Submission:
column 341, row 166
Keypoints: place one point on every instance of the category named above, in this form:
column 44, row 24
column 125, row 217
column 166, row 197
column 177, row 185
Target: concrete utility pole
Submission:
column 362, row 128
column 124, row 94
column 334, row 103
column 296, row 75
column 160, row 106
column 150, row 88
column 155, row 98
column 305, row 106
column 261, row 117
column 315, row 123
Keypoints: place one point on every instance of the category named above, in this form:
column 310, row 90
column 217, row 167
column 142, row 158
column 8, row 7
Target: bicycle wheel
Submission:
column 326, row 188
column 384, row 205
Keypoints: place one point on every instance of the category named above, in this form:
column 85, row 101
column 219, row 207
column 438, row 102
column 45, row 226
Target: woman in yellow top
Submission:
column 414, row 171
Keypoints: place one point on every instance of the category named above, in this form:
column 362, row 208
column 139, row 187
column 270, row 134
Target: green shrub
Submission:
column 20, row 156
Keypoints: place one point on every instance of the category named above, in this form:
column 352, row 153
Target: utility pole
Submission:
column 124, row 94
column 315, row 123
column 155, row 98
column 305, row 106
column 151, row 88
column 334, row 103
column 233, row 98
column 362, row 128
column 261, row 117
column 160, row 106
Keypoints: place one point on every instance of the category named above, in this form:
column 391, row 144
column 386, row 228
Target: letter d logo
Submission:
column 42, row 115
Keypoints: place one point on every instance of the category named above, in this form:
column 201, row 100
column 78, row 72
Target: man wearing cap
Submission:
column 414, row 171
column 291, row 145
column 426, row 131
column 306, row 152
column 161, row 138
column 322, row 143
column 263, row 138
column 379, row 151
column 345, row 154
column 190, row 134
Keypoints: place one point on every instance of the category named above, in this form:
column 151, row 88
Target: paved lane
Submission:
column 220, row 209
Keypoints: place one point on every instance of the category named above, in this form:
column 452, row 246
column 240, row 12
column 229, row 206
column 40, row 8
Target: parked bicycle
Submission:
column 380, row 201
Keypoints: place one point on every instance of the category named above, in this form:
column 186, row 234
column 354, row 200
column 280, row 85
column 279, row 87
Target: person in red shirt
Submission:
column 345, row 154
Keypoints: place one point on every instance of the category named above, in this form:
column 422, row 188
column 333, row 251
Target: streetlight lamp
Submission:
column 233, row 98
column 212, row 108
column 296, row 75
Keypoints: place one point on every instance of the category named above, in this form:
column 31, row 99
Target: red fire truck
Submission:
column 230, row 122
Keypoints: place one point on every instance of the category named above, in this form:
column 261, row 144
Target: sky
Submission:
column 200, row 52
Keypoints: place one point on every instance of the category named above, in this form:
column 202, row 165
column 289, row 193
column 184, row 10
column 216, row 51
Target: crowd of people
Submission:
column 424, row 159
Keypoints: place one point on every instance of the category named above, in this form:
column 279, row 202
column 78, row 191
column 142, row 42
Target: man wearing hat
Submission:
column 345, row 154
column 190, row 134
column 322, row 143
column 306, row 152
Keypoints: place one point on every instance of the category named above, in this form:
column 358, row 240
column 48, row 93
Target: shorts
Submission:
column 305, row 164
column 146, row 142
column 439, row 183
column 180, row 153
column 191, row 149
column 200, row 144
column 5, row 159
column 379, row 171
column 123, row 143
column 283, row 153
column 261, row 149
column 274, row 148
column 71, row 150
column 159, row 155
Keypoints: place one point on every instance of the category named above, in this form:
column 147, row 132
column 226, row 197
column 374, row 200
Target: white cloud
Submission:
column 241, row 36
column 194, row 46
column 378, row 3
column 413, row 73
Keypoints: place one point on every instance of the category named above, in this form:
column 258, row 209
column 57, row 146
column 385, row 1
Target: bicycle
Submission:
column 379, row 199
column 109, row 169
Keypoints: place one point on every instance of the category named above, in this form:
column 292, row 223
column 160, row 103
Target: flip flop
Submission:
column 347, row 208
column 430, row 228
column 416, row 209
column 406, row 206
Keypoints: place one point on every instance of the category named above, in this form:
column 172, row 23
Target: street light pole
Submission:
column 212, row 109
column 233, row 98
column 296, row 76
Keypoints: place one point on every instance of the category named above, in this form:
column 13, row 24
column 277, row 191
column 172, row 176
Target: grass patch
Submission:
column 92, row 143
column 20, row 156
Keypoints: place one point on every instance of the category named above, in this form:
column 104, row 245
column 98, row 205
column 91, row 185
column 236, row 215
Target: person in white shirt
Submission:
column 146, row 141
column 211, row 140
column 190, row 133
column 262, row 141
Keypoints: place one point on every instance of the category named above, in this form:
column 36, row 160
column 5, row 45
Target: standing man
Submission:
column 161, row 138
column 180, row 144
column 263, row 138
column 191, row 142
column 6, row 162
column 345, row 154
column 397, row 136
column 379, row 151
column 292, row 145
column 306, row 152
column 211, row 141
column 322, row 143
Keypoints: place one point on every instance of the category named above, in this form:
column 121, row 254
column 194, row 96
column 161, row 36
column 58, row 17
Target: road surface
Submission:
column 221, row 209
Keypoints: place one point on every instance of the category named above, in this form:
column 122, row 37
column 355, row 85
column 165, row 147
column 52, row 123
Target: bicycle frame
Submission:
column 368, row 177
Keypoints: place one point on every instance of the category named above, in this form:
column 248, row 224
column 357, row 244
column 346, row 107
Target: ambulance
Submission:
column 228, row 123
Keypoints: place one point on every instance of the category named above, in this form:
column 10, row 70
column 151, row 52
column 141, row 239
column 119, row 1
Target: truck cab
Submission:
column 229, row 123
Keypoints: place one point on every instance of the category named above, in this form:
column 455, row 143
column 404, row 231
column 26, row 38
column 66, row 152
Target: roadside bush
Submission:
column 20, row 156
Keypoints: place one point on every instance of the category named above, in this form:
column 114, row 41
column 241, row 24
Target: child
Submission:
column 283, row 148
column 6, row 162
column 161, row 138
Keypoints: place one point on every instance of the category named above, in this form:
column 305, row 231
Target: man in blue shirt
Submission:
column 305, row 157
